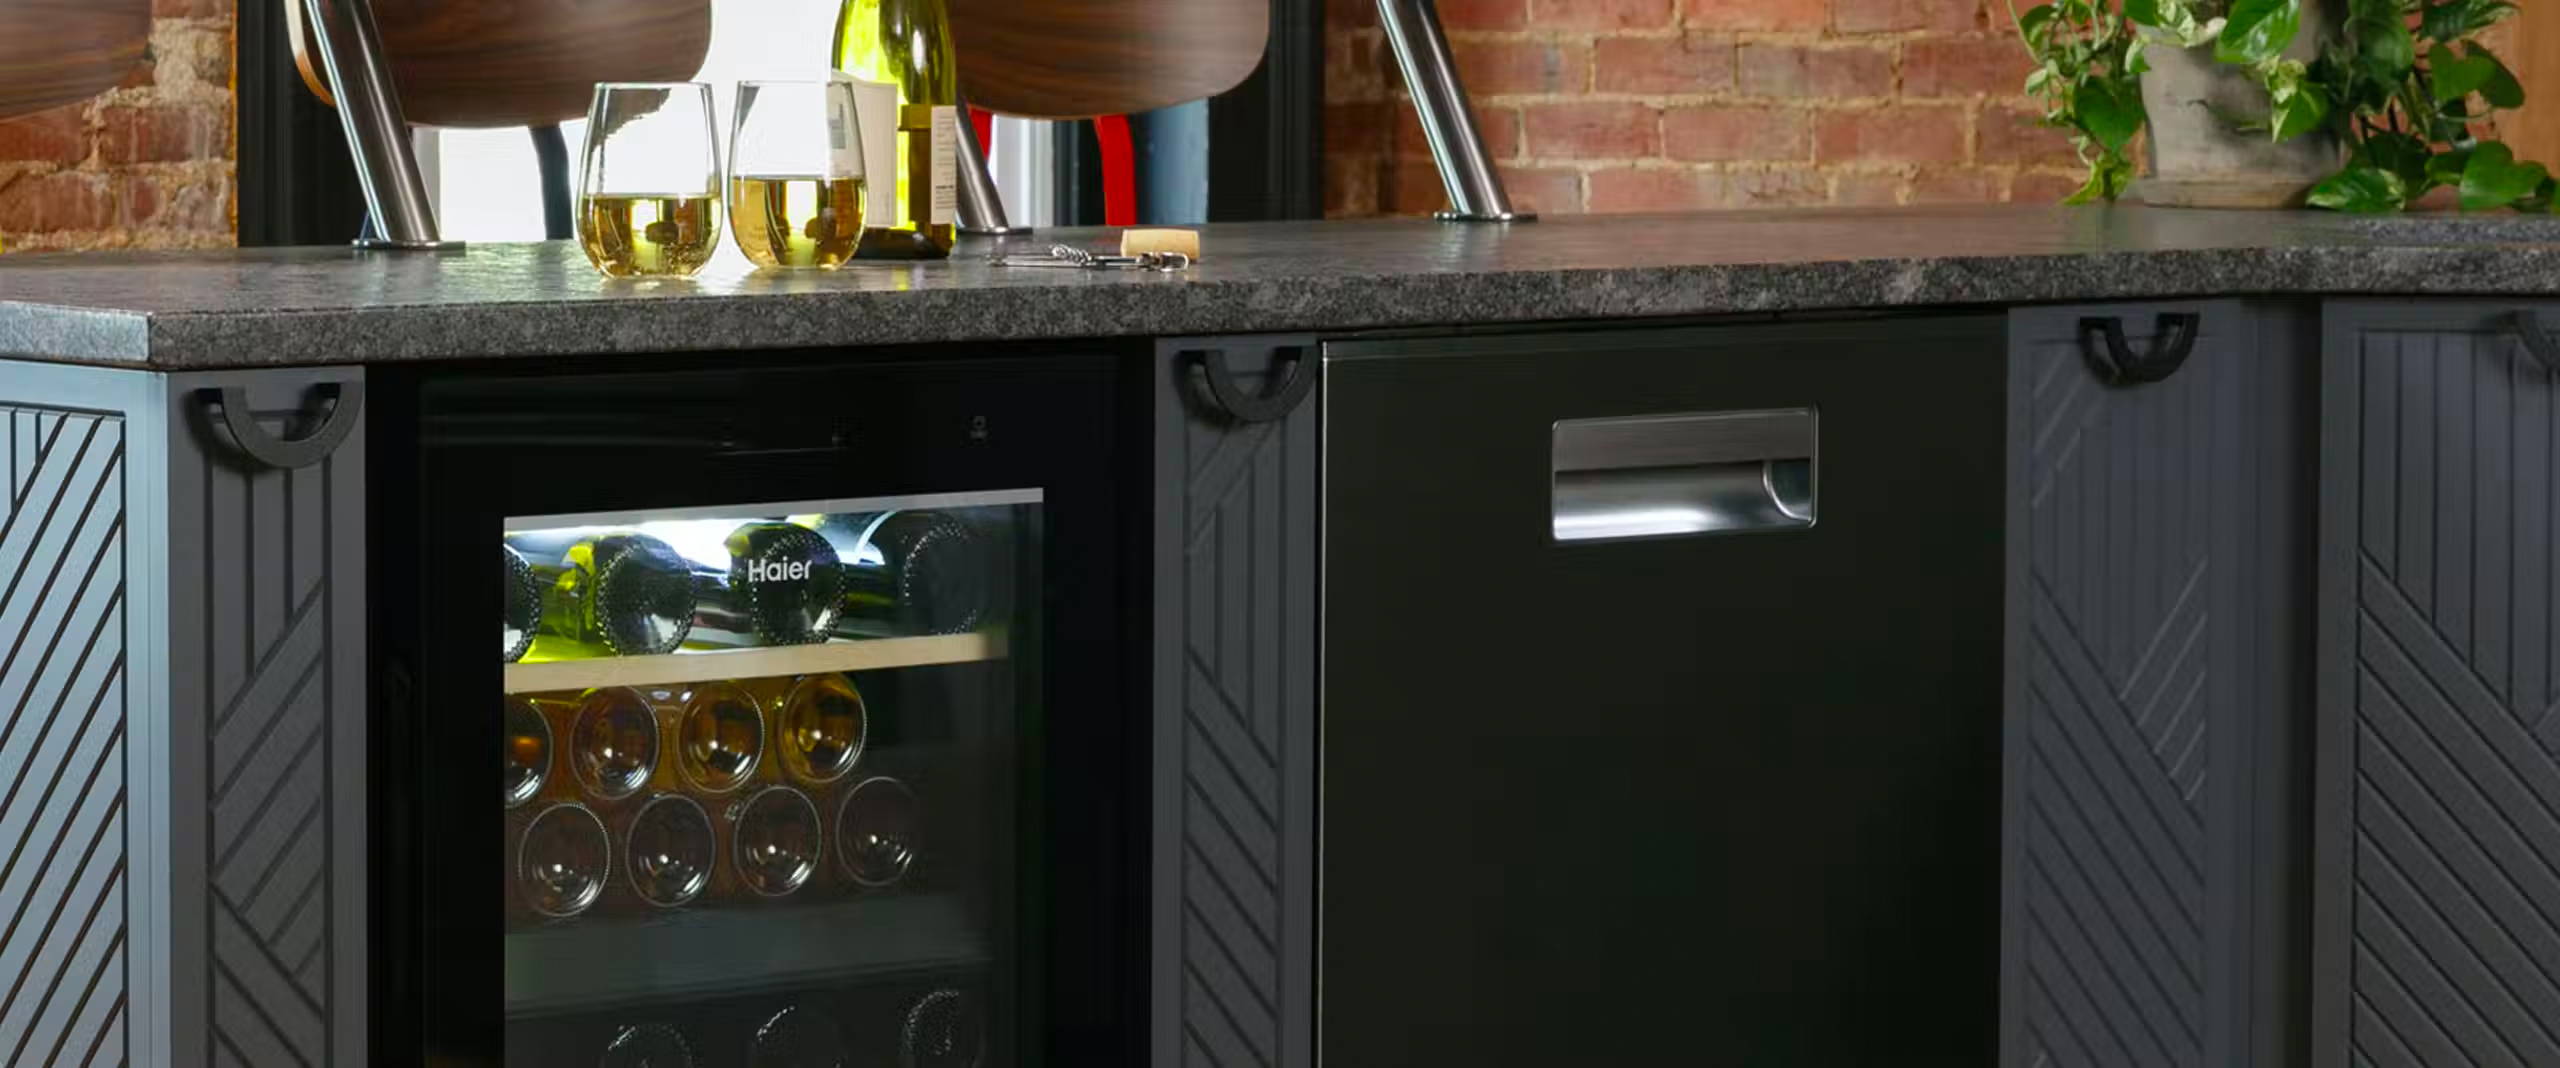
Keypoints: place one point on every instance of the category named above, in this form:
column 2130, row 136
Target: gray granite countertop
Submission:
column 259, row 307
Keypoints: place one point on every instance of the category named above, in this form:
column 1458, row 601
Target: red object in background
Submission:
column 1119, row 163
column 1119, row 171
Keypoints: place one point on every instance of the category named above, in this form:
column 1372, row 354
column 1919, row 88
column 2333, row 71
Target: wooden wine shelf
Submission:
column 866, row 655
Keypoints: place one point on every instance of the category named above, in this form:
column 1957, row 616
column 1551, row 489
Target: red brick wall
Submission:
column 148, row 164
column 1650, row 105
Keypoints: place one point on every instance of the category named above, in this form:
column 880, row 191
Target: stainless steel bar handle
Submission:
column 377, row 131
column 1448, row 120
column 1697, row 473
column 981, row 203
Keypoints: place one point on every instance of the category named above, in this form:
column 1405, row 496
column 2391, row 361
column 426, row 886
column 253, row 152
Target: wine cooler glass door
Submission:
column 786, row 778
column 760, row 780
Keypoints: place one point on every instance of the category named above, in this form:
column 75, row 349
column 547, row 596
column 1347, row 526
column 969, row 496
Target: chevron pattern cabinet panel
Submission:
column 2439, row 915
column 268, row 746
column 1235, row 552
column 2148, row 676
column 63, row 692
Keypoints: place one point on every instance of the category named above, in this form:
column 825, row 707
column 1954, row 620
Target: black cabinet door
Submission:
column 1716, row 799
column 2158, row 667
column 2438, row 939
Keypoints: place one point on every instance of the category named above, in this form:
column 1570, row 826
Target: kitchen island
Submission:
column 277, row 307
column 2019, row 635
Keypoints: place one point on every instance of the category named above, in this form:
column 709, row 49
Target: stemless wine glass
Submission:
column 650, row 202
column 795, row 173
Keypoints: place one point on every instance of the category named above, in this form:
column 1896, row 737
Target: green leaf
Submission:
column 2502, row 90
column 2258, row 30
column 2384, row 47
column 2111, row 112
column 2136, row 58
column 2145, row 12
column 2108, row 178
column 2457, row 19
column 2036, row 26
column 2398, row 153
column 2298, row 111
column 2541, row 200
column 2446, row 168
column 2493, row 178
column 2451, row 77
column 2361, row 189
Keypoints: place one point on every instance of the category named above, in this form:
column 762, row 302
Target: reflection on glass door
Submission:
column 761, row 769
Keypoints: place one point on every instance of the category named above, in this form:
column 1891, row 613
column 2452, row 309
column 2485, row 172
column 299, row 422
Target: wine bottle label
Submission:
column 946, row 166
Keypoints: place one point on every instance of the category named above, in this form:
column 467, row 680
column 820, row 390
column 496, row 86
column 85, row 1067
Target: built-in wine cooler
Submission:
column 809, row 718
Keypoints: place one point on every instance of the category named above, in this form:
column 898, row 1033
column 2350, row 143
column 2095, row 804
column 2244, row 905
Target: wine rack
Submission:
column 871, row 654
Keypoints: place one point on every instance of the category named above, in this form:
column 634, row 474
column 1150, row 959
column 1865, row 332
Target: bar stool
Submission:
column 531, row 63
column 1102, row 60
column 56, row 52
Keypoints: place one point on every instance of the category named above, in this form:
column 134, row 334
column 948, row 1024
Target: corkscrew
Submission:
column 1085, row 259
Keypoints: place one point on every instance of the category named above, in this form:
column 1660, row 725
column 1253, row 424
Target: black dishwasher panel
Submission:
column 1662, row 696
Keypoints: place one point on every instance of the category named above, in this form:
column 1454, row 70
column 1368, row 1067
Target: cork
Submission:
column 1137, row 242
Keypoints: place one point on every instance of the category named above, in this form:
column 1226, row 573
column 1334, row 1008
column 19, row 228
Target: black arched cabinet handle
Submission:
column 2528, row 328
column 1292, row 377
column 2103, row 342
column 345, row 401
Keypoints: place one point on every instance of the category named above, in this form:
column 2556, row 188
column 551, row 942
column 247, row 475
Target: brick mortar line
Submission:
column 1585, row 37
column 1789, row 103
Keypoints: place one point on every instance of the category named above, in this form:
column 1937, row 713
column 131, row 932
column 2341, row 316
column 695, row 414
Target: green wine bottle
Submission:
column 907, row 43
column 913, row 572
column 784, row 586
column 625, row 591
column 524, row 605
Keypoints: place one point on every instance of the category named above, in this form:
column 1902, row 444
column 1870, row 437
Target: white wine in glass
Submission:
column 796, row 221
column 649, row 201
column 627, row 236
column 796, row 188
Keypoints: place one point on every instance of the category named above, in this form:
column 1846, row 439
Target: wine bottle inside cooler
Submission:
column 913, row 572
column 562, row 858
column 943, row 1030
column 817, row 728
column 647, row 1046
column 668, row 848
column 784, row 586
column 621, row 592
column 798, row 1038
column 523, row 605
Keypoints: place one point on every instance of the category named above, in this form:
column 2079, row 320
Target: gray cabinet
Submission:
column 2157, row 667
column 2437, row 938
column 186, row 686
column 1234, row 658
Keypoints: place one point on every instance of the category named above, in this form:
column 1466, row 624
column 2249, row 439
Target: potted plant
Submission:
column 2262, row 102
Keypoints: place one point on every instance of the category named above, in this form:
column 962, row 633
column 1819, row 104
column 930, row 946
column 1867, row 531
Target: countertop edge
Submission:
column 189, row 341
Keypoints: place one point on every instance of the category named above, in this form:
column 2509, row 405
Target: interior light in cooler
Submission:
column 703, row 541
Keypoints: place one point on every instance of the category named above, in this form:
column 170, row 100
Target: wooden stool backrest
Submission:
column 1069, row 59
column 519, row 62
column 56, row 52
